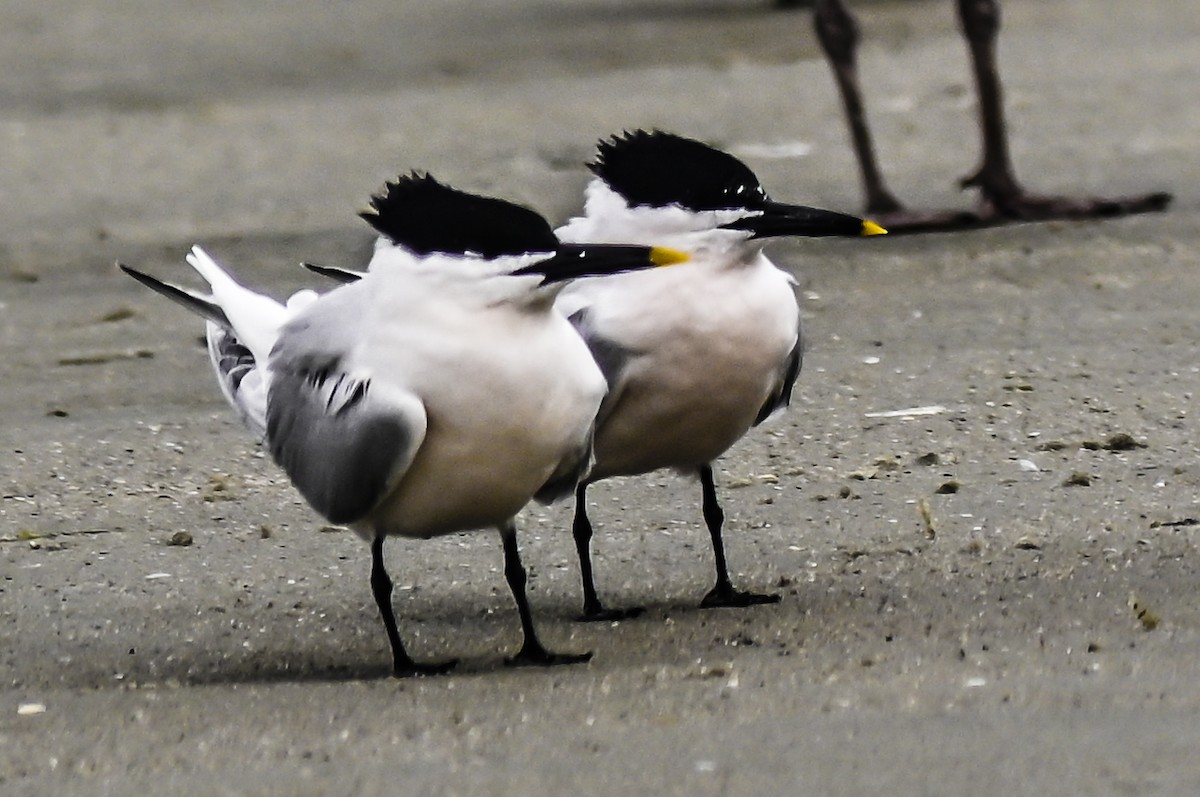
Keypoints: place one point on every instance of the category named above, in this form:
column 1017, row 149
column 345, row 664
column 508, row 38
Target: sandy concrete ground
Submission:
column 991, row 649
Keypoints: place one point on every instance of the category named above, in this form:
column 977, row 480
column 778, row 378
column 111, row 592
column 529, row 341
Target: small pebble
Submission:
column 1078, row 479
column 1122, row 442
column 120, row 314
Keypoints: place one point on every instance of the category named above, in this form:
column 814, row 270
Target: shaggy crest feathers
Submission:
column 658, row 169
column 426, row 217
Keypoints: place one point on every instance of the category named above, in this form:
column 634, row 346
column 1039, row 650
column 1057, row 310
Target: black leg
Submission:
column 838, row 33
column 532, row 652
column 1003, row 196
column 381, row 586
column 593, row 609
column 723, row 593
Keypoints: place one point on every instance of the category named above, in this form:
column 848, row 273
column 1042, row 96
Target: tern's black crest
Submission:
column 660, row 169
column 424, row 216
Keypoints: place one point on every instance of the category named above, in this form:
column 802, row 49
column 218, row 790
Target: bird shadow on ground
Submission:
column 288, row 671
column 671, row 623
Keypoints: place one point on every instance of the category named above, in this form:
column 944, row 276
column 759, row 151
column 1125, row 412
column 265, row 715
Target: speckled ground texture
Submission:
column 956, row 587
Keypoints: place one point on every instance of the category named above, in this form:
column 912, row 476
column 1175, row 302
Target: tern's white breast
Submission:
column 709, row 342
column 509, row 392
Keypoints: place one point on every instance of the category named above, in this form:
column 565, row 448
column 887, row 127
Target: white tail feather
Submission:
column 245, row 390
column 256, row 319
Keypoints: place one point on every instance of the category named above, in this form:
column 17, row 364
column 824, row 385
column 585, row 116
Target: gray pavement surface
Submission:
column 995, row 598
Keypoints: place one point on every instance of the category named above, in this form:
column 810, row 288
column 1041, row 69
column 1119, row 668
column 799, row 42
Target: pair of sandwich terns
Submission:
column 484, row 359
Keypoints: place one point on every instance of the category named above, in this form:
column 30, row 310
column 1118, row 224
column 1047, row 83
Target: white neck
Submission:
column 609, row 219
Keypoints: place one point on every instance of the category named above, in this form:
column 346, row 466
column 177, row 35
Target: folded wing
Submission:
column 344, row 435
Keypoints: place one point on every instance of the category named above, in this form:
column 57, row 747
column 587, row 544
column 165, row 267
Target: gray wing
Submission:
column 344, row 437
column 342, row 275
column 196, row 302
column 612, row 358
column 569, row 473
column 781, row 394
column 238, row 376
column 241, row 381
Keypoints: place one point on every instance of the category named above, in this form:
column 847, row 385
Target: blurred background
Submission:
column 142, row 122
column 956, row 614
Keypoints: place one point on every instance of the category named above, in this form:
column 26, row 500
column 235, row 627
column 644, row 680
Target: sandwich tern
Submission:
column 439, row 393
column 694, row 357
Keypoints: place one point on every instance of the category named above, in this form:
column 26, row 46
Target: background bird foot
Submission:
column 1022, row 206
column 724, row 596
column 538, row 656
column 902, row 220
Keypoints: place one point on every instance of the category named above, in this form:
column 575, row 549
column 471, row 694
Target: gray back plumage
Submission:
column 239, row 377
column 343, row 439
column 781, row 396
column 611, row 357
column 339, row 449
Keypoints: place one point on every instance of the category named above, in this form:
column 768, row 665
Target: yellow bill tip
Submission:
column 662, row 256
column 871, row 228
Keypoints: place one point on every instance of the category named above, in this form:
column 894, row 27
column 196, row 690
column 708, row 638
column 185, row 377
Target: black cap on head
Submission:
column 424, row 216
column 658, row 169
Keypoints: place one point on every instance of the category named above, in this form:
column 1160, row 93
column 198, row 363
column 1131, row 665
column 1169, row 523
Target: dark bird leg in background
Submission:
column 722, row 593
column 1003, row 198
column 838, row 32
column 593, row 609
column 381, row 586
column 531, row 652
